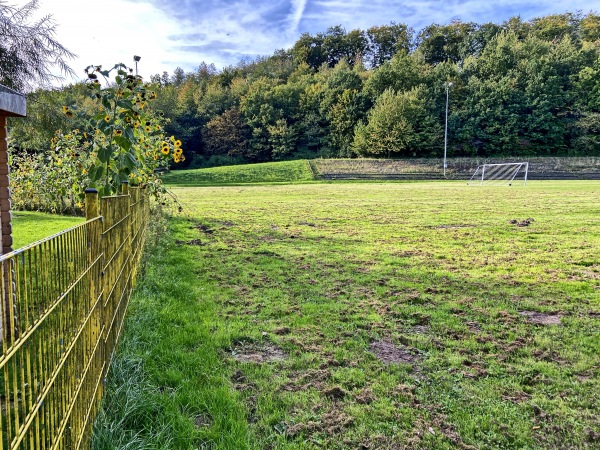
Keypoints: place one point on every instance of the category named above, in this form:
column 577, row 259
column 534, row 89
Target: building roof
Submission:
column 12, row 103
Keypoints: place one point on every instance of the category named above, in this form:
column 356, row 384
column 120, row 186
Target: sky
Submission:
column 167, row 34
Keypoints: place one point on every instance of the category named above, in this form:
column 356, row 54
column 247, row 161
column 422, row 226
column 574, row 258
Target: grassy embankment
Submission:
column 373, row 316
column 264, row 173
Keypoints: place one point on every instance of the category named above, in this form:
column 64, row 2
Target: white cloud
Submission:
column 172, row 33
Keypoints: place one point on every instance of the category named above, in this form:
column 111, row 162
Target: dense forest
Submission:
column 516, row 88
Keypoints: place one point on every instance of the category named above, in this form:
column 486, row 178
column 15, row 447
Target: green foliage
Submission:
column 119, row 140
column 53, row 181
column 125, row 141
column 227, row 134
column 519, row 88
column 398, row 125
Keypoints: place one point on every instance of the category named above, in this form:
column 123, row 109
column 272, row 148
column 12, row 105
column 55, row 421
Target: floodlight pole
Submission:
column 136, row 59
column 448, row 86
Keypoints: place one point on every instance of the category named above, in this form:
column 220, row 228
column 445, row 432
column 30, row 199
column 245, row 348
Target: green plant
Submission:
column 125, row 140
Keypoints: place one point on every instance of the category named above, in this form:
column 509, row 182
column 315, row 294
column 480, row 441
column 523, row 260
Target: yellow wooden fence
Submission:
column 62, row 304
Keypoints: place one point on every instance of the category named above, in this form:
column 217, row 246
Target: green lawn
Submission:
column 273, row 172
column 371, row 316
column 28, row 227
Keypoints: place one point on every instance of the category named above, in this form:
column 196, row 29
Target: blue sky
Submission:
column 172, row 33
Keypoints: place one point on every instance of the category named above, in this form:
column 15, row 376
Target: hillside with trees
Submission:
column 519, row 88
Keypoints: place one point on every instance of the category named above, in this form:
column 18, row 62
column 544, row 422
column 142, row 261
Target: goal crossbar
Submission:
column 500, row 173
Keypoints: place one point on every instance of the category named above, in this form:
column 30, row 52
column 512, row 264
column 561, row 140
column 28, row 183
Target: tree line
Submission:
column 519, row 88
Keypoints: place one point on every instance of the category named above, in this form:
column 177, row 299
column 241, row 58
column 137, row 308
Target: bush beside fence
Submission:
column 62, row 304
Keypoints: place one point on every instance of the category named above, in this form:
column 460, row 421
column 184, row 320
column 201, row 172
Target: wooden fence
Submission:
column 64, row 300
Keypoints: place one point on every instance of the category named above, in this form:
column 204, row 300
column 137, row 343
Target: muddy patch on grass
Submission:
column 202, row 421
column 331, row 423
column 311, row 378
column 522, row 223
column 539, row 318
column 474, row 327
column 390, row 353
column 450, row 226
column 335, row 393
column 204, row 228
column 420, row 329
column 193, row 242
column 256, row 353
column 365, row 397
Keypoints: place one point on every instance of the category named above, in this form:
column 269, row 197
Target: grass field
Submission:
column 365, row 316
column 28, row 226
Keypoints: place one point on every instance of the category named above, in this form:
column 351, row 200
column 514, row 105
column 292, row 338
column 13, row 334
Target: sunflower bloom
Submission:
column 177, row 143
column 107, row 119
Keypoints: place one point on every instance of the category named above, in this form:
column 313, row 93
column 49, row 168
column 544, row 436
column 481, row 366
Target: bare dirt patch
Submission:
column 390, row 353
column 202, row 421
column 194, row 242
column 365, row 397
column 265, row 353
column 522, row 223
column 443, row 227
column 204, row 228
column 331, row 423
column 420, row 329
column 539, row 318
column 474, row 327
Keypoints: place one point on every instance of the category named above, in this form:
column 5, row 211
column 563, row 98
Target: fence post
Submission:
column 91, row 204
column 94, row 230
column 128, row 260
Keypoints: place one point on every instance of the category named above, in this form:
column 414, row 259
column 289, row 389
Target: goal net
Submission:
column 500, row 174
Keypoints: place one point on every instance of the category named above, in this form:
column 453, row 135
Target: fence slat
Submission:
column 62, row 305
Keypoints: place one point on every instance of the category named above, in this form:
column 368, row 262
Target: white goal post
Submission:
column 500, row 174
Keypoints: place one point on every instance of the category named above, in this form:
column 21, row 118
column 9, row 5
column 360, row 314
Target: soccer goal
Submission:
column 500, row 174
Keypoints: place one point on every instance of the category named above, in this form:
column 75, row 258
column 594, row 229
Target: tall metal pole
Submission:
column 448, row 85
column 136, row 58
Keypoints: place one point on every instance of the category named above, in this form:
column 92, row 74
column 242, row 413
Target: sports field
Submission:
column 365, row 316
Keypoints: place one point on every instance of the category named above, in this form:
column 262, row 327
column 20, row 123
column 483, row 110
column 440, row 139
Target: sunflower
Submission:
column 118, row 132
column 65, row 109
column 107, row 118
column 136, row 124
column 178, row 151
column 176, row 159
column 177, row 143
column 148, row 129
column 127, row 119
column 165, row 150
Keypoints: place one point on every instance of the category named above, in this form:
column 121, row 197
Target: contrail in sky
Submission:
column 296, row 13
